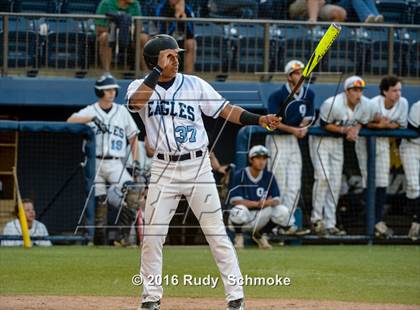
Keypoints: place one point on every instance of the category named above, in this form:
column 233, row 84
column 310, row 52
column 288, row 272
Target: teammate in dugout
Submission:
column 170, row 105
column 113, row 125
column 255, row 198
column 337, row 115
column 386, row 111
column 410, row 157
column 286, row 162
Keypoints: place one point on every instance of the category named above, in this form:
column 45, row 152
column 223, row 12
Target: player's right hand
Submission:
column 166, row 57
column 101, row 125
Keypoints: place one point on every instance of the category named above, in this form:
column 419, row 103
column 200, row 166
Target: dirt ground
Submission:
column 130, row 303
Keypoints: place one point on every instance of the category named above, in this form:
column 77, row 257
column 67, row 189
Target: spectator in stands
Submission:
column 233, row 8
column 312, row 9
column 36, row 228
column 365, row 10
column 255, row 199
column 182, row 31
column 130, row 7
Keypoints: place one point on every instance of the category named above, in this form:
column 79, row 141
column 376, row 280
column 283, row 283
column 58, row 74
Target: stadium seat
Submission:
column 394, row 11
column 41, row 6
column 213, row 53
column 22, row 45
column 79, row 6
column 66, row 44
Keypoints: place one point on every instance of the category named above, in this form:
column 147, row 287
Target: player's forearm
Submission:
column 134, row 143
column 336, row 129
column 287, row 128
column 232, row 113
column 81, row 119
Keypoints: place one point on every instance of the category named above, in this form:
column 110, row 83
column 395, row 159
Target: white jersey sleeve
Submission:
column 402, row 115
column 88, row 111
column 366, row 111
column 211, row 102
column 414, row 115
column 326, row 111
column 40, row 230
column 132, row 88
column 11, row 230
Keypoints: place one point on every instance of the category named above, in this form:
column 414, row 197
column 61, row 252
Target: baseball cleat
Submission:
column 262, row 242
column 334, row 231
column 414, row 231
column 151, row 305
column 237, row 304
column 382, row 230
column 239, row 241
column 318, row 227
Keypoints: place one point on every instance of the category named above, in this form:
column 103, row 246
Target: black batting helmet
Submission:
column 105, row 82
column 156, row 44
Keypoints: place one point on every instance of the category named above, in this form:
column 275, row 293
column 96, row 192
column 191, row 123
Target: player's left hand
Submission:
column 270, row 121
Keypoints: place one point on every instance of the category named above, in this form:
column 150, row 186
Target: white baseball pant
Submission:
column 111, row 171
column 382, row 160
column 410, row 157
column 193, row 179
column 286, row 165
column 255, row 220
column 327, row 159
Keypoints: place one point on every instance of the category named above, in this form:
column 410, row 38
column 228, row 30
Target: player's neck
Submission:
column 254, row 172
column 105, row 104
column 291, row 86
column 30, row 223
column 388, row 103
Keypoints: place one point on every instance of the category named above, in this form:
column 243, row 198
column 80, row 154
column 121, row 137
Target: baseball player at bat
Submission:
column 286, row 158
column 336, row 115
column 113, row 126
column 410, row 157
column 171, row 106
column 255, row 199
column 388, row 110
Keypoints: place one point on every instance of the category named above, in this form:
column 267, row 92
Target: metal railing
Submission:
column 58, row 42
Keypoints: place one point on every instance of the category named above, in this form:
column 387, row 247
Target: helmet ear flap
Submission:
column 99, row 93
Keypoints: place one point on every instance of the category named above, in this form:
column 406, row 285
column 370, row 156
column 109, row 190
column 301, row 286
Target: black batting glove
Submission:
column 101, row 125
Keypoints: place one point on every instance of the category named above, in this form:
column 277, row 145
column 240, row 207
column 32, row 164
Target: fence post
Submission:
column 371, row 186
column 266, row 46
column 391, row 50
column 138, row 47
column 5, row 45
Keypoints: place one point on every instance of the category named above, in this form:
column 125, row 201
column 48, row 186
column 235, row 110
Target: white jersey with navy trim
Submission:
column 120, row 124
column 13, row 228
column 172, row 116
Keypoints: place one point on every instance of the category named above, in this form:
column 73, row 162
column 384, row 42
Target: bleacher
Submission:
column 60, row 42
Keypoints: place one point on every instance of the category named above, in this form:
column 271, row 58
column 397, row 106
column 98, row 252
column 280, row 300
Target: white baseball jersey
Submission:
column 37, row 230
column 335, row 110
column 327, row 158
column 120, row 124
column 410, row 155
column 172, row 117
column 414, row 119
column 368, row 111
column 173, row 123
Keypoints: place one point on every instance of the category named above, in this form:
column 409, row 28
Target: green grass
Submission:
column 385, row 274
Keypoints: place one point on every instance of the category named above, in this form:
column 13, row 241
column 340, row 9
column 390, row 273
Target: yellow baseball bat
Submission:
column 321, row 49
column 21, row 213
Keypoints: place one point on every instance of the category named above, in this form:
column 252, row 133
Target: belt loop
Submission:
column 166, row 156
column 192, row 155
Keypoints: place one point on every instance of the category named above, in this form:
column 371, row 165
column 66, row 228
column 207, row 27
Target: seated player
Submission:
column 255, row 198
column 36, row 228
